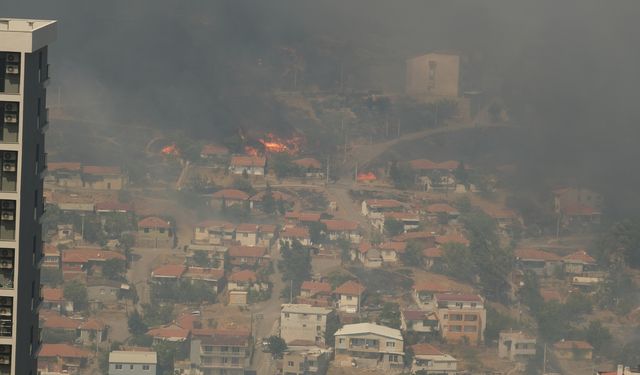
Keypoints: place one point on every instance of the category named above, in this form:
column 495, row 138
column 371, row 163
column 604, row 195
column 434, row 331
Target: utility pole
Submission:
column 544, row 360
column 291, row 291
column 327, row 177
column 355, row 177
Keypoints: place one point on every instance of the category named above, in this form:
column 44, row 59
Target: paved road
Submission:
column 265, row 321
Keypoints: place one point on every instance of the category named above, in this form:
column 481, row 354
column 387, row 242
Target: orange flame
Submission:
column 275, row 144
column 251, row 151
column 369, row 176
column 170, row 150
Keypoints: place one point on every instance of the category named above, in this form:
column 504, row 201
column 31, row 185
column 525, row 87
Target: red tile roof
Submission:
column 414, row 314
column 340, row 225
column 51, row 250
column 248, row 161
column 402, row 216
column 54, row 166
column 452, row 238
column 384, row 203
column 579, row 210
column 204, row 273
column 268, row 228
column 218, row 224
column 210, row 150
column 352, row 288
column 174, row 271
column 432, row 252
column 425, row 349
column 60, row 322
column 247, row 251
column 572, row 344
column 52, row 294
column 398, row 247
column 535, row 254
column 153, row 222
column 93, row 325
column 295, row 232
column 364, row 246
column 231, row 194
column 579, row 256
column 309, row 163
column 63, row 351
column 247, row 228
column 316, row 287
column 101, row 170
column 244, row 275
column 441, row 207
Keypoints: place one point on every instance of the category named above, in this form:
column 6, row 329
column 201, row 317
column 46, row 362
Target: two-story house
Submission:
column 303, row 323
column 343, row 229
column 516, row 345
column 132, row 363
column 349, row 296
column 431, row 361
column 418, row 321
column 154, row 232
column 221, row 353
column 308, row 361
column 543, row 263
column 461, row 316
column 368, row 345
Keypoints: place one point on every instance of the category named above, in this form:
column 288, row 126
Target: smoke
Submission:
column 567, row 70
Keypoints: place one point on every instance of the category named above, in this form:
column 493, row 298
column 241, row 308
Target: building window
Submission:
column 145, row 367
column 469, row 328
column 118, row 367
column 290, row 363
column 130, row 367
column 349, row 298
column 470, row 318
column 455, row 317
column 146, row 230
column 391, row 344
column 459, row 305
column 318, row 317
column 341, row 341
column 286, row 315
column 455, row 328
column 473, row 304
column 318, row 328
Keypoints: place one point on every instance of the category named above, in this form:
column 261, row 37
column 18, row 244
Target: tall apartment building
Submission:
column 304, row 323
column 23, row 120
column 462, row 317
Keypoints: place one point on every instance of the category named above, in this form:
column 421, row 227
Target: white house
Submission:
column 132, row 363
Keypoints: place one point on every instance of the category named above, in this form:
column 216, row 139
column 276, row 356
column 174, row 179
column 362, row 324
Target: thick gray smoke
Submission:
column 567, row 70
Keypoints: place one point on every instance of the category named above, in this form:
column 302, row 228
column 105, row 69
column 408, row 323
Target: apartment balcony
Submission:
column 218, row 353
column 221, row 365
column 364, row 348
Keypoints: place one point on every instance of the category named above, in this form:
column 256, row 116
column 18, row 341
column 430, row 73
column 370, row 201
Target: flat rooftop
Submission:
column 23, row 25
column 25, row 35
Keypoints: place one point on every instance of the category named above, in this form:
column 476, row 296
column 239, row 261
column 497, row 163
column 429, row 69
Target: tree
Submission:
column 459, row 262
column 317, row 232
column 166, row 352
column 268, row 203
column 136, row 324
column 401, row 175
column 295, row 264
column 76, row 292
column 598, row 336
column 345, row 249
column 412, row 255
column 244, row 185
column 390, row 315
column 51, row 276
column 393, row 227
column 277, row 346
column 113, row 269
column 333, row 325
column 461, row 174
column 530, row 292
column 200, row 258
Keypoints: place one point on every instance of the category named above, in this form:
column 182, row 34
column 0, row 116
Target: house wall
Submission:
column 155, row 238
column 252, row 171
column 247, row 239
column 345, row 343
column 131, row 369
column 434, row 365
column 105, row 183
column 300, row 326
column 436, row 74
column 348, row 303
column 237, row 298
column 575, row 354
column 454, row 330
column 389, row 256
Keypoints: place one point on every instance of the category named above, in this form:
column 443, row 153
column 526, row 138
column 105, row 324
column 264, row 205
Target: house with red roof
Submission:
column 343, row 229
column 314, row 289
column 436, row 175
column 214, row 232
column 543, row 263
column 368, row 255
column 155, row 232
column 80, row 261
column 578, row 206
column 290, row 234
column 390, row 251
column 463, row 317
column 419, row 321
column 51, row 257
column 302, row 217
column 64, row 174
column 442, row 213
column 430, row 360
column 251, row 165
column 170, row 333
column 213, row 278
column 578, row 262
column 278, row 198
column 433, row 257
column 92, row 331
column 230, row 197
column 573, row 350
column 103, row 177
column 377, row 207
column 424, row 294
column 62, row 358
column 427, row 238
column 247, row 256
column 213, row 152
column 168, row 273
column 349, row 296
column 312, row 167
column 247, row 234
